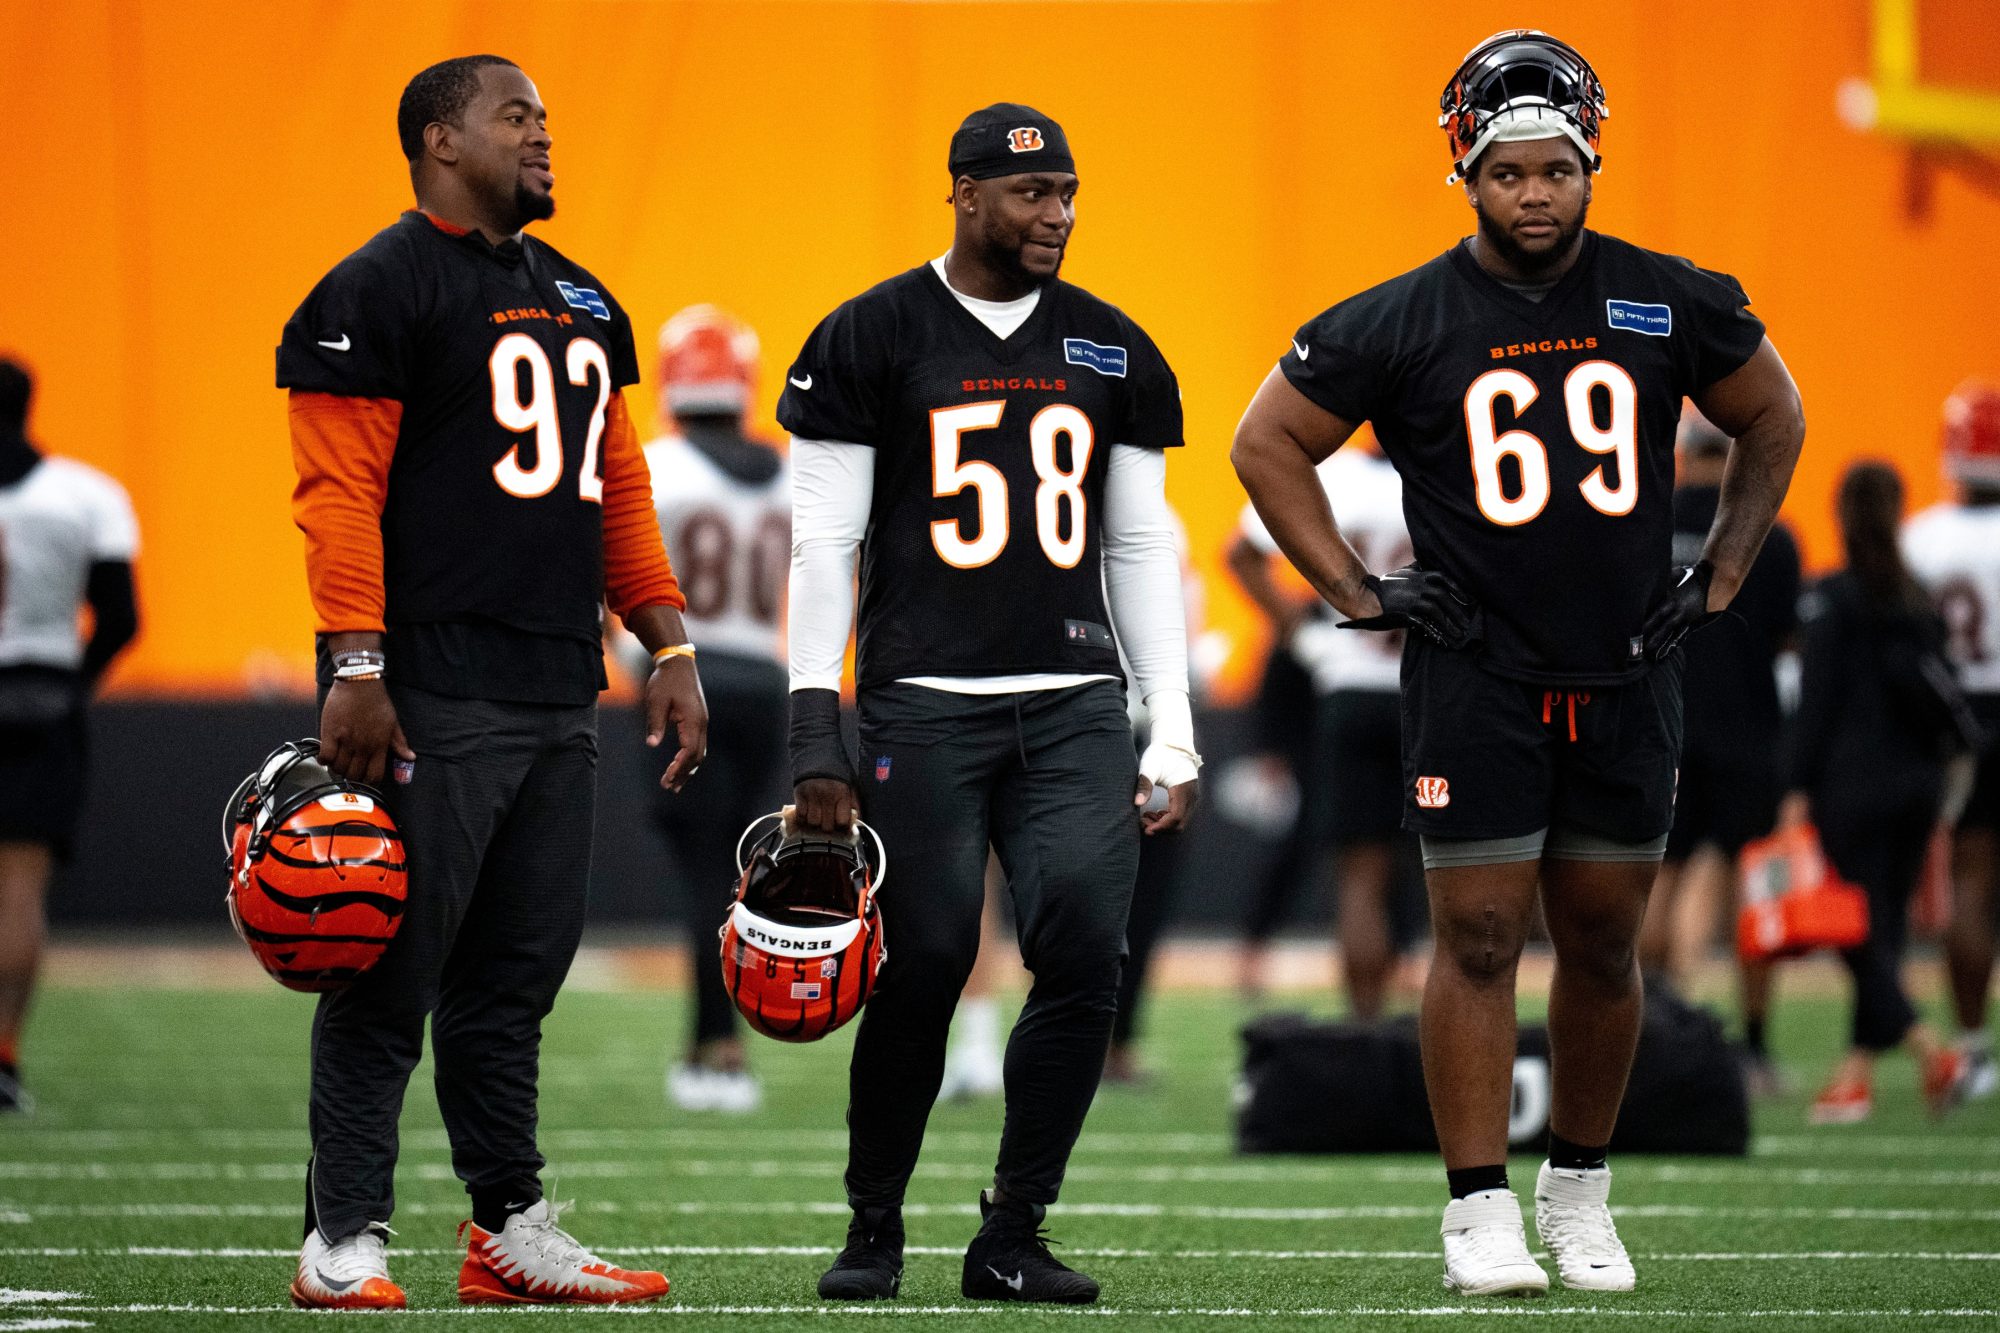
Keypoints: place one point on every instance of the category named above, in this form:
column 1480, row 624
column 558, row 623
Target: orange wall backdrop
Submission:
column 192, row 167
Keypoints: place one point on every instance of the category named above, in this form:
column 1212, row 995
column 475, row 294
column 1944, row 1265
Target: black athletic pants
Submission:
column 743, row 777
column 1160, row 861
column 1047, row 778
column 496, row 820
column 1884, row 855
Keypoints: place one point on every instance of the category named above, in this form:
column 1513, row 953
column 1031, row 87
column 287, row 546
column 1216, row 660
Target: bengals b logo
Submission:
column 1027, row 139
column 1433, row 793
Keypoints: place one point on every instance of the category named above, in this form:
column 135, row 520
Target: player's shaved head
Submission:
column 439, row 94
column 17, row 389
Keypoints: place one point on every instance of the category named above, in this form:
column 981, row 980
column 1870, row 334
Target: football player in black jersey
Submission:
column 1527, row 384
column 992, row 441
column 472, row 493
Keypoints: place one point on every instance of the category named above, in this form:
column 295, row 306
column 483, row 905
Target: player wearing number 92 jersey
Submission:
column 472, row 495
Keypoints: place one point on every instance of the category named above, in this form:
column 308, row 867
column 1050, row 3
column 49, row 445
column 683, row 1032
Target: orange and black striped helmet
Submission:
column 317, row 873
column 803, row 940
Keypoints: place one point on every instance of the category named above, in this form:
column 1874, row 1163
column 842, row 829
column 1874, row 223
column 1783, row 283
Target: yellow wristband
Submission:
column 673, row 650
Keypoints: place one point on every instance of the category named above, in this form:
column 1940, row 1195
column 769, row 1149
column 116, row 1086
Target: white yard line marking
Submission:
column 1245, row 1173
column 608, row 1140
column 822, row 1251
column 1717, row 1317
column 25, row 1214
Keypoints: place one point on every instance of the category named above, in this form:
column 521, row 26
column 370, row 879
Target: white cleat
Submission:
column 1574, row 1219
column 1982, row 1075
column 692, row 1087
column 532, row 1261
column 1486, row 1247
column 970, row 1072
column 349, row 1274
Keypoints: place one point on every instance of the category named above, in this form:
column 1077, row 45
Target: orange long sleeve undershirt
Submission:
column 636, row 570
column 341, row 448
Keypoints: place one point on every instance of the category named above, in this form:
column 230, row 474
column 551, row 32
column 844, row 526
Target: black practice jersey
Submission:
column 983, row 550
column 1536, row 440
column 505, row 360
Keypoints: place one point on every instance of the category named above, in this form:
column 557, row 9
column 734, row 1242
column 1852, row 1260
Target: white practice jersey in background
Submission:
column 1954, row 550
column 55, row 523
column 730, row 542
column 1367, row 499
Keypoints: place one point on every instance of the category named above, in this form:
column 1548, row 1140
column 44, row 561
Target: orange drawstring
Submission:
column 1570, row 698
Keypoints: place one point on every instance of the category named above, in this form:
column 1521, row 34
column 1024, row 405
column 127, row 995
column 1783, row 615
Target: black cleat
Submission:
column 871, row 1267
column 1009, row 1260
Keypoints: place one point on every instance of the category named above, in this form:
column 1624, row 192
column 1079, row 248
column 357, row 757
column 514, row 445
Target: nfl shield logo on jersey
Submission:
column 1433, row 793
column 882, row 768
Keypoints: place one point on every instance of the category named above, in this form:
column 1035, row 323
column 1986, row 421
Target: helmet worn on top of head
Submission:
column 1972, row 433
column 803, row 940
column 708, row 362
column 1521, row 84
column 317, row 873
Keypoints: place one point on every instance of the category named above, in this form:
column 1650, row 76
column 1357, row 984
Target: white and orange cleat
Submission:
column 532, row 1261
column 350, row 1274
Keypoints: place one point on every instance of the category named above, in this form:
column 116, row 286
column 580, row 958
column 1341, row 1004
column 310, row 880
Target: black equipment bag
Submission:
column 1317, row 1087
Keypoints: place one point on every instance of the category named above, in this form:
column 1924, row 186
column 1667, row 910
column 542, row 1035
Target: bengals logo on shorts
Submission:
column 1433, row 793
column 1027, row 139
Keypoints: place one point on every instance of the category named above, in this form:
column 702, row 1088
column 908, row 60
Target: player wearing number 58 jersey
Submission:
column 1527, row 384
column 472, row 494
column 992, row 441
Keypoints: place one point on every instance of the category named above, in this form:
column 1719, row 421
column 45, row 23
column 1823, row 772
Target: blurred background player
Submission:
column 1730, row 771
column 1879, row 719
column 1351, row 787
column 724, row 501
column 1162, row 861
column 67, row 539
column 1279, row 770
column 1954, row 549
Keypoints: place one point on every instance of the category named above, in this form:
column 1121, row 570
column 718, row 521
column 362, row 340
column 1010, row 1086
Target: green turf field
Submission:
column 159, row 1189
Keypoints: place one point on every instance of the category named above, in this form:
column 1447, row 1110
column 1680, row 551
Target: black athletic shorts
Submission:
column 1983, row 810
column 1489, row 757
column 43, row 746
column 1356, row 772
column 1729, row 791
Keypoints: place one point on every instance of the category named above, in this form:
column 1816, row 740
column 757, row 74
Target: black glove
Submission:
column 1682, row 607
column 1424, row 600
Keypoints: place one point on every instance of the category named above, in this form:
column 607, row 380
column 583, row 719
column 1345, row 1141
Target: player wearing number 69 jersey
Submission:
column 1527, row 384
column 472, row 493
column 992, row 441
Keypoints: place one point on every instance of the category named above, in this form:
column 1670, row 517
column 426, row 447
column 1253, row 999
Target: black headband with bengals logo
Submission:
column 1008, row 139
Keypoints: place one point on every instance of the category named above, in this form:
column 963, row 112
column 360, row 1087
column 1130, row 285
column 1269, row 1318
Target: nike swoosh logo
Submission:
column 1014, row 1281
column 341, row 345
column 1303, row 350
column 805, row 383
column 330, row 1284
